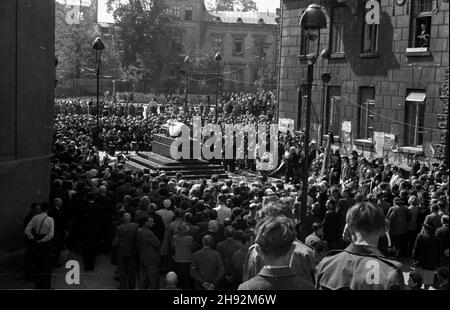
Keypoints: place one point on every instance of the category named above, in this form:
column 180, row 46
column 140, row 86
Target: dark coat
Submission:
column 226, row 249
column 427, row 251
column 330, row 227
column 148, row 246
column 207, row 266
column 125, row 240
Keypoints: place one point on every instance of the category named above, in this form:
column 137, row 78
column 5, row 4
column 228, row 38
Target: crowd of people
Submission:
column 169, row 233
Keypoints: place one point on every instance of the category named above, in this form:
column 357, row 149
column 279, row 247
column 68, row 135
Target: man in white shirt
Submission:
column 223, row 211
column 41, row 230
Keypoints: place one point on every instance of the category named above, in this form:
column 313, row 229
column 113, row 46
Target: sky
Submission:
column 263, row 6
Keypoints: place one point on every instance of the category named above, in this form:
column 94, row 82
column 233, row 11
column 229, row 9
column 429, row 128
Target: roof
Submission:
column 247, row 17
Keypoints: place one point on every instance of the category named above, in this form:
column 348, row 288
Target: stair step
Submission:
column 165, row 161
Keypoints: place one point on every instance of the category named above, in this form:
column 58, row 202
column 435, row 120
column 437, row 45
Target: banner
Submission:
column 286, row 124
column 378, row 140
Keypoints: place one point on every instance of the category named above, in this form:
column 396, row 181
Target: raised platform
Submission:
column 191, row 169
column 160, row 160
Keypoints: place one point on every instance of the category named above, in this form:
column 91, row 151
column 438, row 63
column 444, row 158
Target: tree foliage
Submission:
column 236, row 5
column 143, row 33
column 76, row 59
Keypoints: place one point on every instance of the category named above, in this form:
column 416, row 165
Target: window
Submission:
column 239, row 20
column 188, row 13
column 237, row 74
column 218, row 43
column 337, row 29
column 238, row 47
column 414, row 118
column 370, row 39
column 332, row 112
column 365, row 112
column 261, row 21
column 176, row 44
column 177, row 11
column 425, row 5
column 421, row 23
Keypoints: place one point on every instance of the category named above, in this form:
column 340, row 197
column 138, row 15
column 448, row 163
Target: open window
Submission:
column 338, row 20
column 414, row 118
column 238, row 47
column 365, row 112
column 421, row 14
column 188, row 13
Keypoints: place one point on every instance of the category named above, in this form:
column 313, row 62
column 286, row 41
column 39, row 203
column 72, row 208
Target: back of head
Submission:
column 366, row 218
column 229, row 232
column 171, row 279
column 277, row 208
column 275, row 235
column 208, row 241
column 127, row 218
column 44, row 206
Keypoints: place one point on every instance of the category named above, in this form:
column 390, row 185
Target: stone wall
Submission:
column 26, row 114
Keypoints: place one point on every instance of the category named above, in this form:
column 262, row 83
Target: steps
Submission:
column 191, row 169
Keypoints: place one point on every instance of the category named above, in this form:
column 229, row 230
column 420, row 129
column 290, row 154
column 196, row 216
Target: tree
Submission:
column 247, row 6
column 236, row 5
column 143, row 33
column 73, row 41
column 224, row 5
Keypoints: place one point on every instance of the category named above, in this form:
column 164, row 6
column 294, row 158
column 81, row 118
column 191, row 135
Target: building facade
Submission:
column 247, row 42
column 386, row 61
column 27, row 59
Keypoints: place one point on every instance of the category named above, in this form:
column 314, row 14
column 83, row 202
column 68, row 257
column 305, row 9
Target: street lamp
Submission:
column 98, row 46
column 218, row 59
column 325, row 77
column 187, row 62
column 312, row 20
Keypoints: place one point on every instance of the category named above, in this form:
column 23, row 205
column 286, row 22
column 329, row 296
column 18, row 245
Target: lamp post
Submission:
column 218, row 59
column 187, row 62
column 325, row 77
column 312, row 20
column 98, row 46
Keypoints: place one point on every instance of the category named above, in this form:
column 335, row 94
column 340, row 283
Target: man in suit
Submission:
column 226, row 249
column 148, row 245
column 125, row 245
column 303, row 259
column 207, row 268
column 426, row 254
column 442, row 234
column 193, row 230
column 361, row 266
column 275, row 244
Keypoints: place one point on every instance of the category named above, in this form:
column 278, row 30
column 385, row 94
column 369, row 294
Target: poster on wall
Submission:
column 346, row 137
column 286, row 124
column 390, row 142
column 378, row 140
